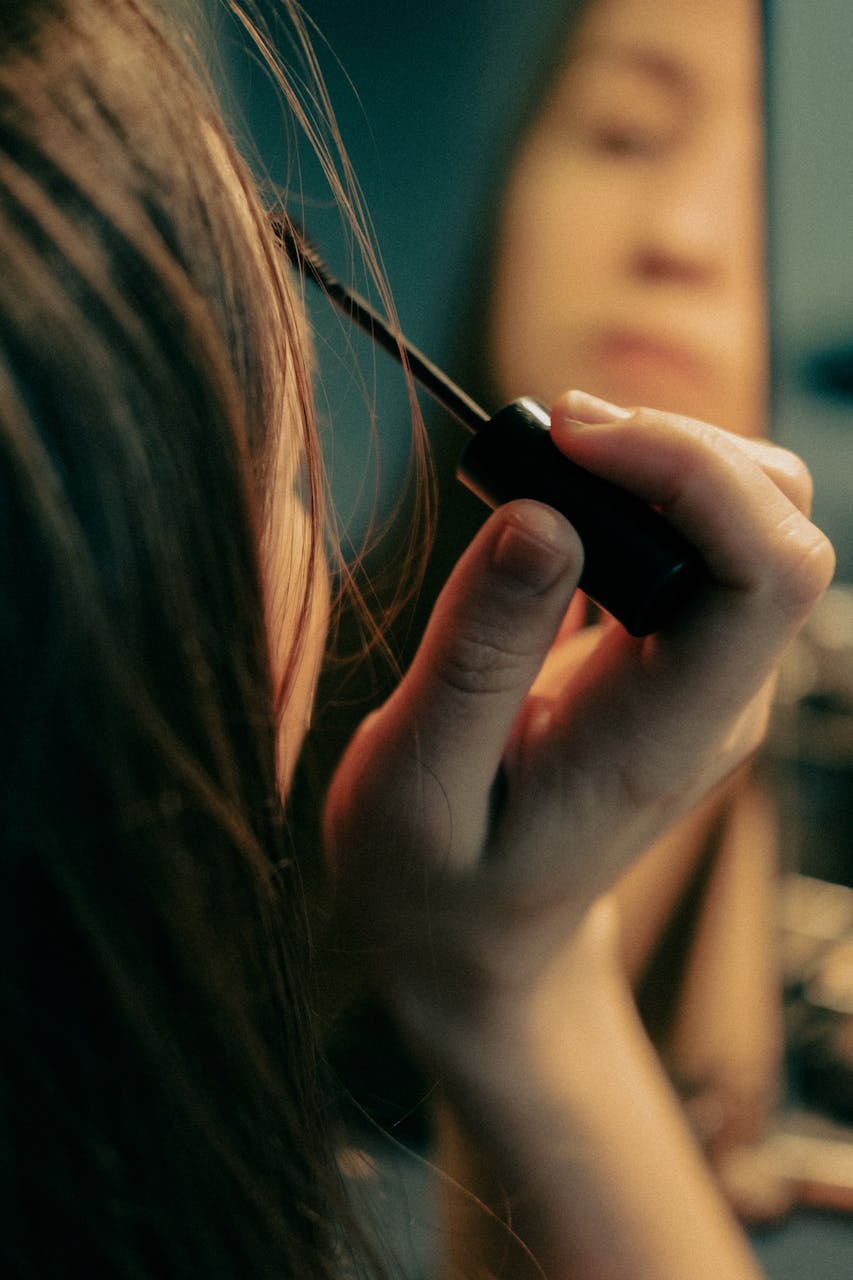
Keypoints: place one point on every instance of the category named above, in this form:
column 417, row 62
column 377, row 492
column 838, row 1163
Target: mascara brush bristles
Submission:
column 308, row 262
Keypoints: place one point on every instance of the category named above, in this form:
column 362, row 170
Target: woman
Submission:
column 163, row 1109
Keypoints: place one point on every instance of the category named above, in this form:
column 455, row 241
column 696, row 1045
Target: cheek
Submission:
column 557, row 254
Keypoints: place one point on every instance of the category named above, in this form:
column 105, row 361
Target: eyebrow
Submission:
column 648, row 61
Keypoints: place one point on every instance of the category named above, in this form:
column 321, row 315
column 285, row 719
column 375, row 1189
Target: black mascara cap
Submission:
column 636, row 566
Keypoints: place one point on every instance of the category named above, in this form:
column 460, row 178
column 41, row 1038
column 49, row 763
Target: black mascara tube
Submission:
column 636, row 566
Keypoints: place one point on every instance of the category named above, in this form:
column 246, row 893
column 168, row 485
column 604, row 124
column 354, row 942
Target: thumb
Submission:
column 486, row 641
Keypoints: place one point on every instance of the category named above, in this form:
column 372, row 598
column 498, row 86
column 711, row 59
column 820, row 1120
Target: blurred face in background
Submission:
column 631, row 244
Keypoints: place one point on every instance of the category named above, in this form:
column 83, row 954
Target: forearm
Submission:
column 712, row 998
column 727, row 1038
column 576, row 1163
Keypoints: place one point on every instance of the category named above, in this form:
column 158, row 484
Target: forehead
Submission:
column 697, row 44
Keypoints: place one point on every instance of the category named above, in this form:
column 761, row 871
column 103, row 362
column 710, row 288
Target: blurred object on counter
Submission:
column 805, row 1159
column 809, row 1150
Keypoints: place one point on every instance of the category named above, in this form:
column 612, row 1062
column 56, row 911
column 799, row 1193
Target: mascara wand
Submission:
column 636, row 565
column 305, row 258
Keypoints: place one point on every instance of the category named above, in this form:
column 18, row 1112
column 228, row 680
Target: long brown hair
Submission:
column 159, row 1100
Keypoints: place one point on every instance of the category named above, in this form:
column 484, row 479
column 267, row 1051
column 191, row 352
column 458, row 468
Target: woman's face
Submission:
column 631, row 246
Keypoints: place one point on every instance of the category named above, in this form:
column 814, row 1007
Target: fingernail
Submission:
column 534, row 549
column 582, row 407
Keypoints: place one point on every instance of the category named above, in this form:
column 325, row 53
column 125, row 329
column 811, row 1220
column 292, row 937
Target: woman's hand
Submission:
column 521, row 764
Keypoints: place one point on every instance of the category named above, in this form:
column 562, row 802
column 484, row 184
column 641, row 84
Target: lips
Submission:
column 645, row 365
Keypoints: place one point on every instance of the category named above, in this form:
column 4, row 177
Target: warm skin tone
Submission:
column 631, row 253
column 475, row 912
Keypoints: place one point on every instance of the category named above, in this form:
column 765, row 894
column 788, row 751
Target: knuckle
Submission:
column 691, row 430
column 806, row 565
column 798, row 478
column 482, row 658
column 476, row 663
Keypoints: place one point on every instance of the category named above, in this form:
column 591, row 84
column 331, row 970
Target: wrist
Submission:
column 510, row 1047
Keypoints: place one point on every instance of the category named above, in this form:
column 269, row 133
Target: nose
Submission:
column 700, row 224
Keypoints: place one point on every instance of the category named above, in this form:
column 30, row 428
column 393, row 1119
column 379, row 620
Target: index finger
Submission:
column 768, row 563
column 751, row 532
